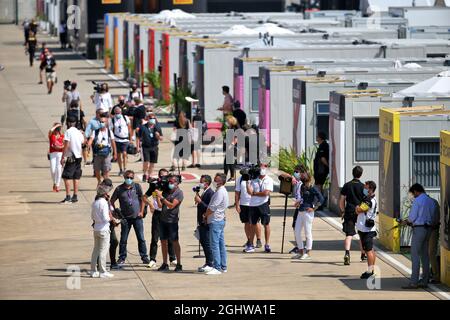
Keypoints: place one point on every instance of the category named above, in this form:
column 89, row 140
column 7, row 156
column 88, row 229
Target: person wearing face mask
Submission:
column 49, row 65
column 365, row 225
column 215, row 218
column 259, row 190
column 135, row 92
column 149, row 134
column 103, row 100
column 202, row 201
column 130, row 197
column 151, row 199
column 170, row 202
column 121, row 127
column 298, row 175
column 311, row 200
column 94, row 124
column 56, row 139
column 422, row 217
column 102, row 142
column 101, row 215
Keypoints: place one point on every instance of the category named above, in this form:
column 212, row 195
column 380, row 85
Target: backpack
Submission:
column 103, row 151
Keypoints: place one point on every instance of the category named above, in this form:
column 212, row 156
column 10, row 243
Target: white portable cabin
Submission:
column 276, row 94
column 422, row 16
column 434, row 47
column 425, row 32
column 376, row 22
column 354, row 130
column 246, row 73
column 213, row 59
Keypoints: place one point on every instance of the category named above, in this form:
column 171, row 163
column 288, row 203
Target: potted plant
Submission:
column 128, row 67
column 108, row 53
column 153, row 78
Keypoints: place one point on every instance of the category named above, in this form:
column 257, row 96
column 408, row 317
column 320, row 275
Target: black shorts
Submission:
column 168, row 231
column 245, row 214
column 348, row 226
column 260, row 213
column 121, row 147
column 367, row 239
column 150, row 154
column 72, row 170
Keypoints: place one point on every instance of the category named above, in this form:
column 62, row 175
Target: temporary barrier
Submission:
column 409, row 153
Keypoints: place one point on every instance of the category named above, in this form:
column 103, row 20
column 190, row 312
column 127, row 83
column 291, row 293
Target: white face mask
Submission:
column 263, row 171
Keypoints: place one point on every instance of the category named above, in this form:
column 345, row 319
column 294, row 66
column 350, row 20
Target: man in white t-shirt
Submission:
column 242, row 203
column 71, row 160
column 365, row 224
column 102, row 143
column 121, row 127
column 259, row 190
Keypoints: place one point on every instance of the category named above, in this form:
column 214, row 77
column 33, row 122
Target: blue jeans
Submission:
column 217, row 243
column 204, row 241
column 138, row 226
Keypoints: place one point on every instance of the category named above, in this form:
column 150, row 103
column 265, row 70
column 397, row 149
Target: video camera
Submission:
column 250, row 172
column 97, row 86
column 197, row 188
column 161, row 184
column 67, row 85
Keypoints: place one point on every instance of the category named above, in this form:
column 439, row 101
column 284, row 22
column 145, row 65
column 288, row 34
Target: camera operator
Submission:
column 71, row 94
column 135, row 92
column 155, row 209
column 170, row 202
column 130, row 195
column 242, row 205
column 202, row 201
column 102, row 98
column 259, row 190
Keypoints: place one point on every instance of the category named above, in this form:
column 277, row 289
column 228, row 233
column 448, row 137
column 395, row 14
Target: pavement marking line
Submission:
column 391, row 261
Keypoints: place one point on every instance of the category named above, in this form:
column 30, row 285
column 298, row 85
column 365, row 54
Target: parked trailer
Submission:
column 422, row 16
column 354, row 134
column 409, row 153
column 276, row 94
column 445, row 206
column 213, row 59
column 425, row 32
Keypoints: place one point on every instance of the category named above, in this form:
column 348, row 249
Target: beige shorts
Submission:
column 50, row 76
column 102, row 164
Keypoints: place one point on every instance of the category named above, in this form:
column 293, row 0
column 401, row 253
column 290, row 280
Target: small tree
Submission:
column 108, row 54
column 128, row 66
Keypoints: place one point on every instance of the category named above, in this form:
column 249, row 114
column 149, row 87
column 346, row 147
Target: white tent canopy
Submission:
column 238, row 30
column 272, row 29
column 438, row 86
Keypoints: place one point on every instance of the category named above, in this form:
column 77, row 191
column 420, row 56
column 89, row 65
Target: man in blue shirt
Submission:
column 421, row 218
column 93, row 125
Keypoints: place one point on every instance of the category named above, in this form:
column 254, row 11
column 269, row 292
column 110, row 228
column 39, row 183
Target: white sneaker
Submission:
column 297, row 256
column 174, row 263
column 94, row 274
column 205, row 269
column 152, row 264
column 213, row 272
column 305, row 257
column 106, row 275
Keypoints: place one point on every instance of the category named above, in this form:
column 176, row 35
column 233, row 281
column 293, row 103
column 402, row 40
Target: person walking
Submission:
column 150, row 198
column 121, row 128
column 49, row 65
column 135, row 92
column 56, row 140
column 42, row 59
column 311, row 200
column 297, row 178
column 352, row 194
column 227, row 106
column 63, row 35
column 71, row 94
column 31, row 46
column 202, row 201
column 421, row 218
column 215, row 218
column 181, row 145
column 170, row 202
column 365, row 224
column 195, row 132
column 130, row 197
column 101, row 215
column 230, row 147
column 102, row 143
column 150, row 134
column 321, row 162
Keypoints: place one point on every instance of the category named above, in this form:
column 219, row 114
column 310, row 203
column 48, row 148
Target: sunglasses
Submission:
column 129, row 178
